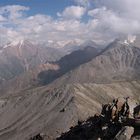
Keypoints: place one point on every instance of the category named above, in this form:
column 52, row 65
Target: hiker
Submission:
column 117, row 111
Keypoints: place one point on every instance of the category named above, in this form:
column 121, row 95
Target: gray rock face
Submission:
column 137, row 112
column 125, row 133
column 24, row 115
column 118, row 62
column 136, row 138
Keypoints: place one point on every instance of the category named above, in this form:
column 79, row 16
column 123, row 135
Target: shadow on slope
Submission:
column 67, row 63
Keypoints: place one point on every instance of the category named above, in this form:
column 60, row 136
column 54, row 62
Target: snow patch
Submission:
column 21, row 43
column 130, row 39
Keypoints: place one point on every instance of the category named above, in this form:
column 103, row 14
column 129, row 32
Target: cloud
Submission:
column 13, row 11
column 42, row 28
column 73, row 12
column 85, row 3
column 105, row 21
column 2, row 18
column 112, row 21
column 118, row 16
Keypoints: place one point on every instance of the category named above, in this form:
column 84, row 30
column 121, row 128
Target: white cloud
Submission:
column 106, row 20
column 2, row 18
column 42, row 28
column 85, row 3
column 118, row 16
column 73, row 12
column 13, row 11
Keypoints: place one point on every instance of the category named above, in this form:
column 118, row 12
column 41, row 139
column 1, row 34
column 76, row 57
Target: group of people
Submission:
column 122, row 110
column 122, row 116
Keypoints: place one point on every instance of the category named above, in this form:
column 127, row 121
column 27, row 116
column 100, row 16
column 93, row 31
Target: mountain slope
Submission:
column 54, row 109
column 67, row 63
column 118, row 62
column 34, row 111
column 48, row 72
column 18, row 57
column 73, row 46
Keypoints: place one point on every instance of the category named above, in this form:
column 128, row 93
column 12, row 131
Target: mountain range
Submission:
column 50, row 97
column 20, row 56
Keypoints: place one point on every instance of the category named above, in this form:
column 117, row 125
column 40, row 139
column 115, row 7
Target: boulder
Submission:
column 125, row 133
column 137, row 112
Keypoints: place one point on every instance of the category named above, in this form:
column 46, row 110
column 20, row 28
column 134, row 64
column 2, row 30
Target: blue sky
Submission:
column 49, row 7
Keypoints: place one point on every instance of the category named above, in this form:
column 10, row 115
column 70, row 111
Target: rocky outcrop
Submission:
column 37, row 137
column 125, row 133
column 117, row 121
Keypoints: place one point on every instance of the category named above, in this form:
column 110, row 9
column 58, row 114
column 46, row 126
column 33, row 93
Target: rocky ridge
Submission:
column 119, row 120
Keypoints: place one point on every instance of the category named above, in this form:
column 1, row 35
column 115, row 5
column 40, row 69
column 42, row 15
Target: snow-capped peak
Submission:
column 18, row 43
column 130, row 39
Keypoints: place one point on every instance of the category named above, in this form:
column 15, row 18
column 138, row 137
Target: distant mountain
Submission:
column 73, row 46
column 48, row 72
column 90, row 43
column 68, row 63
column 20, row 56
column 70, row 47
column 117, row 62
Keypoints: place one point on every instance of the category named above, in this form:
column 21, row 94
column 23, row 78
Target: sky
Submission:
column 63, row 21
column 40, row 6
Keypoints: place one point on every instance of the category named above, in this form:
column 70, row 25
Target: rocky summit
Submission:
column 119, row 120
